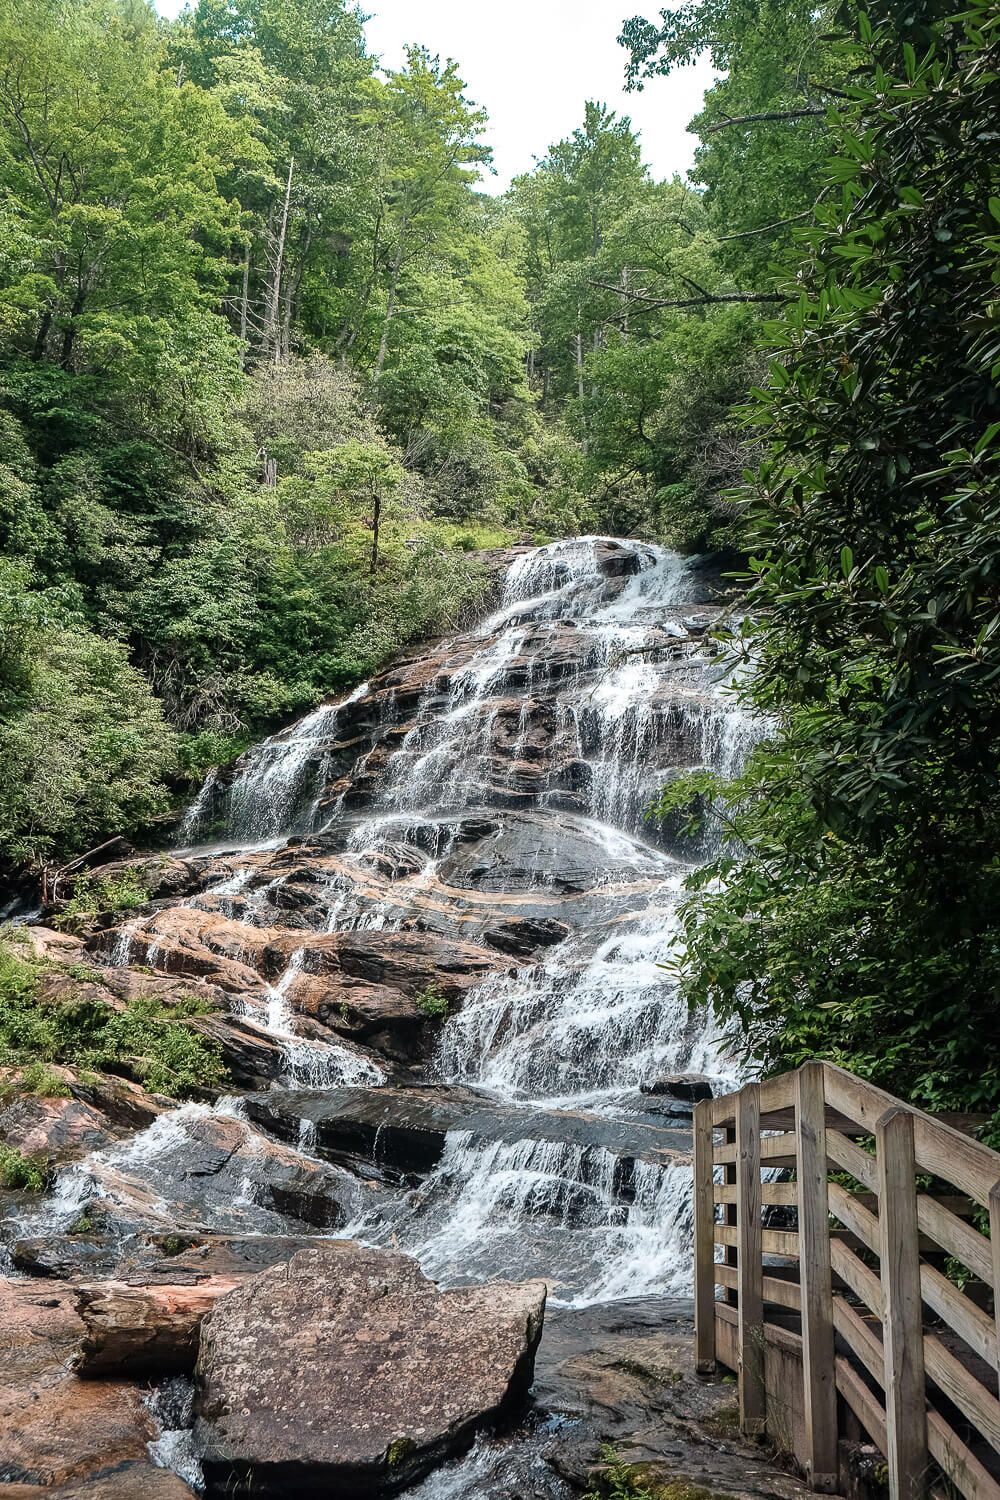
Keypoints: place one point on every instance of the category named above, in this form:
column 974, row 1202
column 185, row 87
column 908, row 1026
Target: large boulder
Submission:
column 348, row 1373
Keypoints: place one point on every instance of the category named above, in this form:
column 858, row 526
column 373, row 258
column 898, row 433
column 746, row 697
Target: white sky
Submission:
column 533, row 63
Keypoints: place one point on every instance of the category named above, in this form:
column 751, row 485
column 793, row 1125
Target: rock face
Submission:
column 348, row 1373
column 59, row 1435
column 144, row 1331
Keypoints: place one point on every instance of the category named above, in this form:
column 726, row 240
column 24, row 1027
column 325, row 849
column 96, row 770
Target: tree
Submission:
column 764, row 128
column 84, row 749
column 864, row 922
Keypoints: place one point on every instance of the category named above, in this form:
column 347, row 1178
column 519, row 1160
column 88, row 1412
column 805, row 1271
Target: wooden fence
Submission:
column 863, row 1291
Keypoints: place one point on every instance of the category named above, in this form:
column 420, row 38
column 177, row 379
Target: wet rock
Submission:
column 55, row 1130
column 65, row 1256
column 124, row 1104
column 401, row 1132
column 524, row 937
column 348, row 1372
column 143, row 1331
column 686, row 1087
column 622, row 1375
column 196, row 1170
column 60, row 1435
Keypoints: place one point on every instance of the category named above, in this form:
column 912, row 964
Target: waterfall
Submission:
column 512, row 778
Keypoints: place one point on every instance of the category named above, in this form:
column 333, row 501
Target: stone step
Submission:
column 400, row 1133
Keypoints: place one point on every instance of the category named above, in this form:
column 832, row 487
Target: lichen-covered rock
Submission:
column 348, row 1373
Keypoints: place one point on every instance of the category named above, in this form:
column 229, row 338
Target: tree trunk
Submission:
column 376, row 522
column 245, row 299
column 270, row 344
column 390, row 307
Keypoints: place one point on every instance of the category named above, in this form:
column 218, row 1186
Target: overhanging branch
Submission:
column 708, row 298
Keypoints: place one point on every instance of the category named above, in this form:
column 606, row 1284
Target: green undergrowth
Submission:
column 104, row 893
column 432, row 1001
column 20, row 1172
column 147, row 1040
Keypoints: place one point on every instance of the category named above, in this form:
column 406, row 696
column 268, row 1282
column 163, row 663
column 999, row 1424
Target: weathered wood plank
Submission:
column 773, row 1241
column 749, row 1264
column 861, row 1336
column 851, row 1157
column 774, row 1289
column 704, row 1241
column 862, row 1401
column 938, row 1148
column 776, row 1150
column 905, row 1404
column 862, row 1281
column 820, row 1391
column 995, row 1249
column 962, row 1467
column 770, row 1193
column 960, row 1313
column 961, row 1386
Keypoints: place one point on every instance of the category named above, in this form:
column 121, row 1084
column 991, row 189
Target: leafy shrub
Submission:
column 148, row 1040
column 111, row 893
column 432, row 1001
column 17, row 1171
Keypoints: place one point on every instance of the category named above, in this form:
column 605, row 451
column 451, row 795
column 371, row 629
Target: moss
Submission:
column 619, row 1480
column 398, row 1450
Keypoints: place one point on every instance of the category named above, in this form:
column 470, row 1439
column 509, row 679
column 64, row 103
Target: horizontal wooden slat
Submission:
column 846, row 1154
column 940, row 1150
column 775, row 1241
column 960, row 1313
column 973, row 1400
column 962, row 1467
column 857, row 1218
column 955, row 1236
column 775, row 1093
column 771, row 1147
column 775, row 1290
column 861, row 1336
column 770, row 1192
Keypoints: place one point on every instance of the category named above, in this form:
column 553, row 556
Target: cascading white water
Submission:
column 268, row 795
column 554, row 722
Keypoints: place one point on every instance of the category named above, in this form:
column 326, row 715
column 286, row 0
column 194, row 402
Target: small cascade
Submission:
column 277, row 786
column 593, row 1226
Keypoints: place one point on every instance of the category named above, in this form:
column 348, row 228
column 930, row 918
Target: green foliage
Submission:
column 107, row 893
column 19, row 1172
column 432, row 1001
column 862, row 924
column 148, row 1040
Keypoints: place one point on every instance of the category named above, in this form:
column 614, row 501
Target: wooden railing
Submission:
column 875, row 1302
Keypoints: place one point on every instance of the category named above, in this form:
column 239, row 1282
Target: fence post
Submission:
column 749, row 1266
column 704, row 1240
column 995, row 1248
column 902, row 1310
column 815, row 1279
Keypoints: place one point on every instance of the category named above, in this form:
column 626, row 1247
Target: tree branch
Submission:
column 708, row 298
column 766, row 228
column 768, row 114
